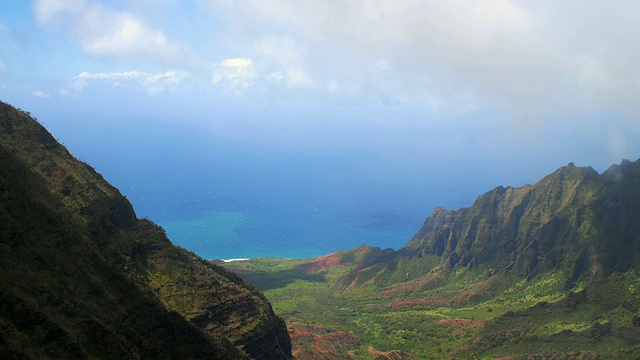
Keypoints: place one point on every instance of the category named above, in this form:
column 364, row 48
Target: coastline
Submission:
column 238, row 259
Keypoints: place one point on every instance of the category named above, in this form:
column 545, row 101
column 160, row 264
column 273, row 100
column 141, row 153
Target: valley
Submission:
column 543, row 271
column 462, row 288
column 462, row 314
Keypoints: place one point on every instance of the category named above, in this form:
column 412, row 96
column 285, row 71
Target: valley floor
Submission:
column 337, row 309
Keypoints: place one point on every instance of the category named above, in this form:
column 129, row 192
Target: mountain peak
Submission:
column 532, row 228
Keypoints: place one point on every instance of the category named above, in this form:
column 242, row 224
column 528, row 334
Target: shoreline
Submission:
column 237, row 259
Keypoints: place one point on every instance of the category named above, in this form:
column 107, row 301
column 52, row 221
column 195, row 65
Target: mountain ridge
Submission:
column 84, row 277
column 526, row 223
column 548, row 270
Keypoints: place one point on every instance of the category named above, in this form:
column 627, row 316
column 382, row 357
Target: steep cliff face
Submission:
column 214, row 299
column 574, row 218
column 83, row 277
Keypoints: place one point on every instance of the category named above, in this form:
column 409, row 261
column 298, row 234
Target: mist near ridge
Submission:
column 303, row 188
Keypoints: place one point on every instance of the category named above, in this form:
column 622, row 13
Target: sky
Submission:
column 487, row 92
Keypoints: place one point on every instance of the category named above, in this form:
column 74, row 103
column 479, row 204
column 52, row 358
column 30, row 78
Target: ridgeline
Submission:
column 544, row 271
column 83, row 277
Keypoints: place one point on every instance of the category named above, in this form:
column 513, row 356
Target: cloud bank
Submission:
column 512, row 58
column 152, row 83
column 104, row 32
column 531, row 57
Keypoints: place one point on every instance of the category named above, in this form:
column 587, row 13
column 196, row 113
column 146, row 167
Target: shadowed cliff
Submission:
column 84, row 278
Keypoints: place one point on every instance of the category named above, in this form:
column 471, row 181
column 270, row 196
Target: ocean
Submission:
column 228, row 199
column 290, row 183
column 294, row 216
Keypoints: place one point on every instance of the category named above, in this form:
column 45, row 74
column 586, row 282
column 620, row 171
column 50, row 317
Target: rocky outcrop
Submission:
column 573, row 218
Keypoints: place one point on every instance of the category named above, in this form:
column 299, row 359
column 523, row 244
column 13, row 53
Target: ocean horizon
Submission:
column 274, row 207
column 224, row 200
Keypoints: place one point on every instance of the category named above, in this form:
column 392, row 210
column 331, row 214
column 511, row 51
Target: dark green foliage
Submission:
column 82, row 277
column 61, row 299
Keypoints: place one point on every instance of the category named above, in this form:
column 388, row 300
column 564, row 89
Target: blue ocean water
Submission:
column 263, row 217
column 228, row 182
column 229, row 199
column 229, row 227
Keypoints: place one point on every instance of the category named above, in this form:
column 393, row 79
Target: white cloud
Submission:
column 529, row 57
column 430, row 48
column 40, row 94
column 114, row 75
column 164, row 81
column 3, row 66
column 48, row 10
column 239, row 63
column 288, row 59
column 235, row 75
column 516, row 57
column 152, row 83
column 104, row 32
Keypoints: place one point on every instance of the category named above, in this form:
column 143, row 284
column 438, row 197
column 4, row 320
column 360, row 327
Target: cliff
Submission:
column 83, row 277
column 573, row 218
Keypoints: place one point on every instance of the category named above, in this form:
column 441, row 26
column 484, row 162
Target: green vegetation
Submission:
column 513, row 317
column 82, row 277
column 545, row 271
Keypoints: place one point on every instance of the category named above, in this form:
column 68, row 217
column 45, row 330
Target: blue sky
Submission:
column 509, row 89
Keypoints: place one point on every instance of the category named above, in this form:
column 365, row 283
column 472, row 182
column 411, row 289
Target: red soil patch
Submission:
column 56, row 176
column 315, row 342
column 363, row 249
column 322, row 263
column 451, row 298
column 352, row 285
column 390, row 355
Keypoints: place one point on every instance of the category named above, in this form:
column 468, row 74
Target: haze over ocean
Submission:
column 234, row 201
column 292, row 128
column 228, row 183
column 231, row 192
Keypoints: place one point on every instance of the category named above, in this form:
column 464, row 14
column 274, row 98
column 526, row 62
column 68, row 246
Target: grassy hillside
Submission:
column 82, row 277
column 462, row 314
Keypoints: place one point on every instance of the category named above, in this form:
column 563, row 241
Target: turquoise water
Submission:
column 210, row 233
column 270, row 207
column 227, row 201
column 219, row 226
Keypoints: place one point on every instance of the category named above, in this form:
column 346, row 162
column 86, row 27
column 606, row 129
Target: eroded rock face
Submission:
column 553, row 223
column 83, row 277
column 215, row 300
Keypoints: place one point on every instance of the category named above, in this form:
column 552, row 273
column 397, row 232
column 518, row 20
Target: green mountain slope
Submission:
column 573, row 218
column 82, row 277
column 543, row 271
